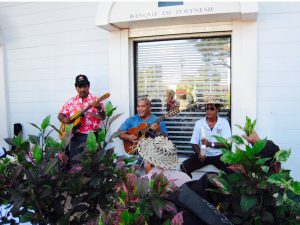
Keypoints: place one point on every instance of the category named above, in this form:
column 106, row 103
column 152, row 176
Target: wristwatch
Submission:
column 212, row 144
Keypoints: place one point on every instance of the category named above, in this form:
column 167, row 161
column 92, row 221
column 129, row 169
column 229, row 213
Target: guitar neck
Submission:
column 145, row 130
column 82, row 112
column 85, row 110
column 103, row 97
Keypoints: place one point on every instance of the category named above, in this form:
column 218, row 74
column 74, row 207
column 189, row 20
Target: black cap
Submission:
column 81, row 80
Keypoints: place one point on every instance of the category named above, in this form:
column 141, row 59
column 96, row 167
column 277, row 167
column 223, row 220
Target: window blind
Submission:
column 189, row 69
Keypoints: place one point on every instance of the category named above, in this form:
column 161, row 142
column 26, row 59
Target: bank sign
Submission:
column 122, row 15
column 170, row 13
column 152, row 10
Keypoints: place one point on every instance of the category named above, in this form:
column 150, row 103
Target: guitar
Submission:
column 76, row 118
column 144, row 129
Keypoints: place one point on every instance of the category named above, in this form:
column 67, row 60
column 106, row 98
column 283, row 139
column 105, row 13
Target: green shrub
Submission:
column 36, row 185
column 253, row 194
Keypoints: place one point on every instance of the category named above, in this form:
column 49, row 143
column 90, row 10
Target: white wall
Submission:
column 278, row 97
column 3, row 112
column 45, row 46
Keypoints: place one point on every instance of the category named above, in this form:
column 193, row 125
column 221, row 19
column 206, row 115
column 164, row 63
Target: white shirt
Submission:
column 221, row 128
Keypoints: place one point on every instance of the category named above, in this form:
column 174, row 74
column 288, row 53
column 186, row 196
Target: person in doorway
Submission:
column 91, row 120
column 170, row 100
column 143, row 115
column 207, row 149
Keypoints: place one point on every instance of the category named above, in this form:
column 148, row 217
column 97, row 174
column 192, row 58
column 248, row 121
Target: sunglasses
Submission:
column 210, row 108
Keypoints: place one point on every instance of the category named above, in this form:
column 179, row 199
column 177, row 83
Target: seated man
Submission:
column 203, row 133
column 143, row 116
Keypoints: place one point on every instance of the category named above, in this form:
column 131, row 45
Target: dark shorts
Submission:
column 193, row 163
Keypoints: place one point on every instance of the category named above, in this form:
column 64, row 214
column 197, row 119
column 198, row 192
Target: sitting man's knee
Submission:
column 183, row 169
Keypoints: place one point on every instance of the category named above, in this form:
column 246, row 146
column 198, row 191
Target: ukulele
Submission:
column 143, row 130
column 76, row 118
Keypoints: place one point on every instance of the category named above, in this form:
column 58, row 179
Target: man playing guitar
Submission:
column 143, row 116
column 91, row 119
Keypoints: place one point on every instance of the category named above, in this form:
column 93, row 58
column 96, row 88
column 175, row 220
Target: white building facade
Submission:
column 43, row 46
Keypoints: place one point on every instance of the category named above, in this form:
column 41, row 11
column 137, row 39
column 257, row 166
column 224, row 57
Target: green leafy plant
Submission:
column 36, row 186
column 32, row 180
column 253, row 193
column 249, row 126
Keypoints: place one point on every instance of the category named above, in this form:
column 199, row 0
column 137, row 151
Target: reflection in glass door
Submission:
column 182, row 72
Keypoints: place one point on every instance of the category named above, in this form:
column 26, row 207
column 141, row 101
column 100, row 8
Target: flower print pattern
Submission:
column 89, row 121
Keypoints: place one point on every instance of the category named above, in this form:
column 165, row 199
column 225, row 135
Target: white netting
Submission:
column 158, row 151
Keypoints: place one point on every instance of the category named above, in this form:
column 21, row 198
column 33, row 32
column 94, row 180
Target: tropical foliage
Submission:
column 254, row 194
column 37, row 186
column 143, row 202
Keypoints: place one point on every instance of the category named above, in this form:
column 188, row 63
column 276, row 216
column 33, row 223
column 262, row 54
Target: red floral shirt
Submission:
column 89, row 121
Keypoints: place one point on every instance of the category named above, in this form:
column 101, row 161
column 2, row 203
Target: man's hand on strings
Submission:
column 131, row 137
column 66, row 120
column 96, row 104
column 155, row 127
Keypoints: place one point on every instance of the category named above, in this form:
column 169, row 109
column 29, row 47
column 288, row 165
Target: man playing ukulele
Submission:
column 89, row 122
column 143, row 116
